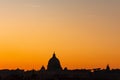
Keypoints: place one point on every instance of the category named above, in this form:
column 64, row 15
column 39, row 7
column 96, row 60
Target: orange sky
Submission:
column 84, row 33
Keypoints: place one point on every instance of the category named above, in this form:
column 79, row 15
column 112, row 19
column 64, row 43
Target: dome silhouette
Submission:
column 54, row 64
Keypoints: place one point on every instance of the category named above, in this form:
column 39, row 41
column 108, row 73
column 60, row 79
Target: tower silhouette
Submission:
column 108, row 68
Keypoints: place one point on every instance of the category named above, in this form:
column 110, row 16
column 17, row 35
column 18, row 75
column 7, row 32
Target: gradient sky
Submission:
column 84, row 33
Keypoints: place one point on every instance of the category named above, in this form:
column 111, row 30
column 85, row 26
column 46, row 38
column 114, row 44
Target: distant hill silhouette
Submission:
column 55, row 71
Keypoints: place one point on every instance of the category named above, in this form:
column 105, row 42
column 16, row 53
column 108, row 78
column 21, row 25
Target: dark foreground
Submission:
column 60, row 75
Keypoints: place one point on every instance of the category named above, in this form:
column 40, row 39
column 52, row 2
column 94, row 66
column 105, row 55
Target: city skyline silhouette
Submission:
column 54, row 63
column 55, row 71
column 107, row 66
column 84, row 33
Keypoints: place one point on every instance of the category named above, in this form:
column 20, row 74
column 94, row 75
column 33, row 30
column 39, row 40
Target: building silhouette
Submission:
column 54, row 71
column 54, row 64
column 108, row 68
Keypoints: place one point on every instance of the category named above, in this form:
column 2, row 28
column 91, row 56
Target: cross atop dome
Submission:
column 54, row 55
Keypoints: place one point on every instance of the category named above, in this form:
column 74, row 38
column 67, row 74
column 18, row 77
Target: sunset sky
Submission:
column 83, row 33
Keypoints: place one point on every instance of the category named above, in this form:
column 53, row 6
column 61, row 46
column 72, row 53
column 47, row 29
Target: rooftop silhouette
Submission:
column 54, row 71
